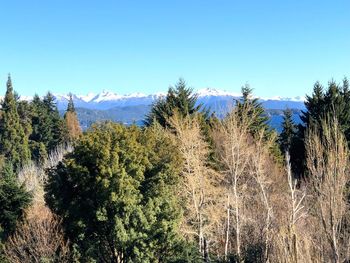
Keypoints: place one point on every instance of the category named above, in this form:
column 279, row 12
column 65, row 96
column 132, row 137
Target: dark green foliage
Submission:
column 58, row 131
column 70, row 107
column 255, row 110
column 289, row 131
column 13, row 142
column 290, row 142
column 13, row 200
column 25, row 116
column 335, row 101
column 180, row 99
column 115, row 193
column 48, row 128
column 39, row 153
column 332, row 102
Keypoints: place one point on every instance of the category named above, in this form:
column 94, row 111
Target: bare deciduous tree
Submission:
column 231, row 142
column 38, row 239
column 200, row 189
column 328, row 166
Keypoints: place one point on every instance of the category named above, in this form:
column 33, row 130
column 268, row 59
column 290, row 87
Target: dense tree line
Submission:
column 29, row 131
column 185, row 187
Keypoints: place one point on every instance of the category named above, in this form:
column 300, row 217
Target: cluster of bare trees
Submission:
column 40, row 237
column 241, row 205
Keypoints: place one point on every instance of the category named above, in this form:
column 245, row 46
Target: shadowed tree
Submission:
column 289, row 130
column 13, row 142
column 14, row 199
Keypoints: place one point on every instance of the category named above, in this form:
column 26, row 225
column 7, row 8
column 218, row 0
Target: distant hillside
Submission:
column 213, row 98
column 136, row 114
column 134, row 107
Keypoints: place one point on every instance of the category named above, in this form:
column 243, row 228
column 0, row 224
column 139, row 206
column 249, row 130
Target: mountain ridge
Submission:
column 210, row 97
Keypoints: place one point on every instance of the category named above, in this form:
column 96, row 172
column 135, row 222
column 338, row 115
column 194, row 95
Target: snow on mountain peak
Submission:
column 279, row 98
column 106, row 95
column 88, row 97
column 206, row 92
column 135, row 95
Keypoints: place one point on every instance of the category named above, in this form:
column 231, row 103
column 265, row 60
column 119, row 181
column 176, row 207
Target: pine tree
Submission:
column 289, row 130
column 41, row 131
column 257, row 113
column 334, row 101
column 70, row 107
column 13, row 201
column 48, row 128
column 180, row 99
column 251, row 107
column 25, row 116
column 72, row 122
column 58, row 129
column 14, row 142
column 314, row 104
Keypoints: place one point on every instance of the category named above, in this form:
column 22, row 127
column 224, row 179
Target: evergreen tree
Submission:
column 70, row 107
column 248, row 105
column 180, row 99
column 13, row 201
column 41, row 132
column 256, row 111
column 25, row 116
column 48, row 128
column 332, row 102
column 289, row 130
column 58, row 129
column 314, row 104
column 116, row 195
column 14, row 142
column 72, row 122
column 335, row 101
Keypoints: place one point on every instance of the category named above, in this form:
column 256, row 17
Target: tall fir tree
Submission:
column 256, row 111
column 48, row 128
column 289, row 130
column 41, row 132
column 14, row 142
column 333, row 101
column 179, row 98
column 72, row 122
column 258, row 120
column 58, row 134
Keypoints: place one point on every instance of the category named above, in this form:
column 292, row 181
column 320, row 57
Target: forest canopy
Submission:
column 188, row 186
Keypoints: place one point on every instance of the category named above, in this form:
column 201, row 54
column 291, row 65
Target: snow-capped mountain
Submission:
column 212, row 98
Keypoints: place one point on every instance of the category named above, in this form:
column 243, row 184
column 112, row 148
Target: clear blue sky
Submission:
column 279, row 47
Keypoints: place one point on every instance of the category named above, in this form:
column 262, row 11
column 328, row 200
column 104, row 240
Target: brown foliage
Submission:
column 73, row 126
column 38, row 239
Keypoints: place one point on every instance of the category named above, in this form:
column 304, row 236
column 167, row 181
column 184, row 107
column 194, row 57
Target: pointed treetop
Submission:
column 9, row 82
column 247, row 92
column 70, row 107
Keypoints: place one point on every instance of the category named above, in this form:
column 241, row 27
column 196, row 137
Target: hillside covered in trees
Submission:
column 185, row 185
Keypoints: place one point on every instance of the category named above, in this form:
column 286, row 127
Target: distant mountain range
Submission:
column 133, row 108
column 213, row 98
